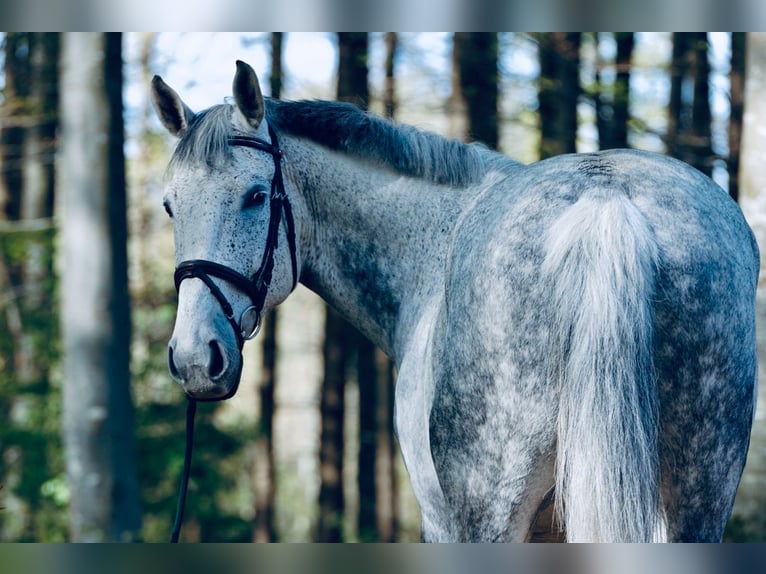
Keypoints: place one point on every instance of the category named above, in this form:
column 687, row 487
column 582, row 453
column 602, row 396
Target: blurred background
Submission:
column 92, row 426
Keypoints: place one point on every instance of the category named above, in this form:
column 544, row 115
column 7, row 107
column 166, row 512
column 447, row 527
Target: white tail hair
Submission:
column 601, row 257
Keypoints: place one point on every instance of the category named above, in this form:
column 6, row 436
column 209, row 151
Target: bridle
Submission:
column 255, row 288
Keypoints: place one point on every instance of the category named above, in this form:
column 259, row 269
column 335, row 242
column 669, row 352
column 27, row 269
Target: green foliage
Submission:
column 30, row 443
column 36, row 492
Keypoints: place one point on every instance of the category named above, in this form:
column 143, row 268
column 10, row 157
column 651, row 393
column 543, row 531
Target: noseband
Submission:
column 256, row 287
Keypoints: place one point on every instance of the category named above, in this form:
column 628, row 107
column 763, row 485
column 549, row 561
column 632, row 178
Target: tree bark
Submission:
column 559, row 55
column 265, row 483
column 340, row 336
column 748, row 519
column 331, row 502
column 386, row 484
column 97, row 411
column 613, row 102
column 689, row 116
column 352, row 69
column 16, row 71
column 389, row 91
column 737, row 91
column 475, row 57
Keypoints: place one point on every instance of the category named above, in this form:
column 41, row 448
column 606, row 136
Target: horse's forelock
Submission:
column 206, row 139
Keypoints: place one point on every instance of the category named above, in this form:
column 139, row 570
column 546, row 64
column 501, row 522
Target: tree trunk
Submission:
column 97, row 412
column 353, row 87
column 16, row 70
column 352, row 68
column 37, row 204
column 475, row 76
column 689, row 130
column 737, row 78
column 367, row 379
column 701, row 114
column 275, row 81
column 613, row 102
column 340, row 336
column 12, row 131
column 457, row 112
column 387, row 491
column 265, row 485
column 335, row 354
column 389, row 91
column 559, row 55
column 748, row 520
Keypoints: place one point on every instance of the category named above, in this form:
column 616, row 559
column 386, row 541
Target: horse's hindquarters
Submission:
column 706, row 366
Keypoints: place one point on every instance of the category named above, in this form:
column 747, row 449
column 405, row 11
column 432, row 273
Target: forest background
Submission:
column 305, row 451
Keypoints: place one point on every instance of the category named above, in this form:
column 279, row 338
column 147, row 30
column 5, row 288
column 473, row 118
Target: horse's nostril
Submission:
column 217, row 365
column 172, row 365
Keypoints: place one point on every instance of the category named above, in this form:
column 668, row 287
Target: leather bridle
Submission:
column 255, row 288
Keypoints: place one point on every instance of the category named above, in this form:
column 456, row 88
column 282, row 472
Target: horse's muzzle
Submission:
column 212, row 374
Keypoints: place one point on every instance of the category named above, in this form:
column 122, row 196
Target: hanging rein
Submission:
column 255, row 288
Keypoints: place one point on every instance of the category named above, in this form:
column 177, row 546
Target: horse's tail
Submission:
column 602, row 258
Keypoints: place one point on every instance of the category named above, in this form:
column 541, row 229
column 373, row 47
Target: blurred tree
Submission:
column 353, row 87
column 335, row 352
column 341, row 339
column 352, row 69
column 37, row 203
column 559, row 89
column 613, row 100
column 737, row 100
column 748, row 521
column 29, row 439
column 389, row 91
column 16, row 71
column 386, row 485
column 689, row 122
column 97, row 410
column 265, row 487
column 475, row 87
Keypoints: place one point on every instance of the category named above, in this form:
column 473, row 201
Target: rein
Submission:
column 255, row 288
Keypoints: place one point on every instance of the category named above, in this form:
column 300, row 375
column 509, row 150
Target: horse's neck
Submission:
column 376, row 245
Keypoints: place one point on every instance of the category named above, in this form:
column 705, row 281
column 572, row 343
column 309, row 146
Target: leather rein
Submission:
column 255, row 288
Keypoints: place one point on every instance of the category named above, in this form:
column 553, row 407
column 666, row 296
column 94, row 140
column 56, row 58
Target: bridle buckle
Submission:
column 250, row 323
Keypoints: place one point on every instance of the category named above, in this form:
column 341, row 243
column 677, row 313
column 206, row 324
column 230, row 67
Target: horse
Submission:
column 576, row 334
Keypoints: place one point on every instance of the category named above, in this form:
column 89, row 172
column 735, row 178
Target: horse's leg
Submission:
column 494, row 458
column 703, row 461
column 412, row 403
column 706, row 402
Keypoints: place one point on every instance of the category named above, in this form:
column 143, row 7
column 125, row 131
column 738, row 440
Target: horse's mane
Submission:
column 345, row 128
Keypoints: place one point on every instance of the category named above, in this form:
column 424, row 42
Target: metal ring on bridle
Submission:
column 250, row 323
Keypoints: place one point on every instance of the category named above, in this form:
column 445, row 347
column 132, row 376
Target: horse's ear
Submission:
column 173, row 113
column 247, row 94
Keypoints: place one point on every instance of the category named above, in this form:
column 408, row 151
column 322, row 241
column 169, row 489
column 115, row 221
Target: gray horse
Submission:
column 579, row 330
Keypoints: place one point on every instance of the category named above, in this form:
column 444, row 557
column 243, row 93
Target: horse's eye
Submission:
column 255, row 198
column 166, row 205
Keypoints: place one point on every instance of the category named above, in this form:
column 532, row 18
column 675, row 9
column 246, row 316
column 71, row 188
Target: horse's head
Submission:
column 233, row 228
